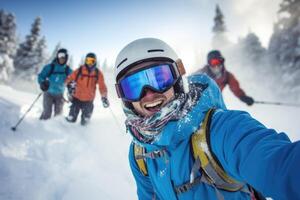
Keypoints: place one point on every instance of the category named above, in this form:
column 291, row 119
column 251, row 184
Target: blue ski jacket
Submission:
column 56, row 78
column 246, row 149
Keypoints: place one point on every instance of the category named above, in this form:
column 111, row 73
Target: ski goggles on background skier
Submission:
column 216, row 62
column 90, row 61
column 61, row 55
column 158, row 78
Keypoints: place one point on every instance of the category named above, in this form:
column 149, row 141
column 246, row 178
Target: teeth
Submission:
column 150, row 105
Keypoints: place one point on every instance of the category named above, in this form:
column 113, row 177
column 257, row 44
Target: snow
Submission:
column 6, row 67
column 57, row 160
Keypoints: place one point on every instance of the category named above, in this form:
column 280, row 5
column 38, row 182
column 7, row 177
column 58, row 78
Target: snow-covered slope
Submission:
column 57, row 160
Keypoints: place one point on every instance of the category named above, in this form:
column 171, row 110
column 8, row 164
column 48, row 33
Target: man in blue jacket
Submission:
column 186, row 145
column 51, row 80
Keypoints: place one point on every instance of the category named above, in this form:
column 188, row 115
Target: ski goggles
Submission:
column 61, row 55
column 90, row 61
column 216, row 62
column 158, row 78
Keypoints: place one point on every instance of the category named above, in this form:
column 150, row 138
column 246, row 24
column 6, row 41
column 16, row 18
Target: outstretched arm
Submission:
column 235, row 86
column 250, row 152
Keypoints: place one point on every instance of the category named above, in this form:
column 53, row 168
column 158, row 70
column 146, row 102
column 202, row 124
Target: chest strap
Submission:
column 202, row 179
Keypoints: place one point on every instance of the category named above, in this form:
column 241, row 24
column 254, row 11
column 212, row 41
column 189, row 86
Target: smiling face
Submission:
column 151, row 101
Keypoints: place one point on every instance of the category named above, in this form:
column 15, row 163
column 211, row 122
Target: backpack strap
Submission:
column 140, row 156
column 67, row 70
column 138, row 151
column 208, row 161
column 78, row 73
column 97, row 74
column 52, row 66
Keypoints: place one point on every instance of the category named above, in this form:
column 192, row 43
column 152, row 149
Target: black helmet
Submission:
column 214, row 54
column 62, row 52
column 91, row 55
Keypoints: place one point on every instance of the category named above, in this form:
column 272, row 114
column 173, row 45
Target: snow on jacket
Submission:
column 86, row 83
column 225, row 78
column 57, row 77
column 246, row 149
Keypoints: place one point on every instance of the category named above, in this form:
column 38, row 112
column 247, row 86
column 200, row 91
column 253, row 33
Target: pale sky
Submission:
column 104, row 27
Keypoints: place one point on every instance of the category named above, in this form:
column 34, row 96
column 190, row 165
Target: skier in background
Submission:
column 82, row 89
column 215, row 69
column 51, row 80
column 186, row 144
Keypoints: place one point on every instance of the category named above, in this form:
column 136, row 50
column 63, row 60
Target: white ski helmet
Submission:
column 141, row 50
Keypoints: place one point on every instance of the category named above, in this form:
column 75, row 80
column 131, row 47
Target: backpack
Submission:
column 66, row 72
column 80, row 74
column 212, row 173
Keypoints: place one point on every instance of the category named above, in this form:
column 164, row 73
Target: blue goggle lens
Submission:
column 159, row 78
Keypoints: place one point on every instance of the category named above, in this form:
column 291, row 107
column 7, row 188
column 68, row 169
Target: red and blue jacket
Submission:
column 226, row 78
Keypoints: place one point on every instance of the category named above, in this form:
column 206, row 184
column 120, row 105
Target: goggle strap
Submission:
column 180, row 67
column 118, row 90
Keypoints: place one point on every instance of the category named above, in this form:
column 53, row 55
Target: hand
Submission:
column 105, row 102
column 45, row 85
column 248, row 100
column 71, row 87
column 70, row 97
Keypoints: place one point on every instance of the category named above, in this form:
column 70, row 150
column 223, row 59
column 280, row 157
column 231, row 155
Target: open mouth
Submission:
column 154, row 106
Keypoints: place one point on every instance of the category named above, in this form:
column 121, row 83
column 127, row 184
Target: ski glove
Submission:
column 105, row 102
column 248, row 100
column 71, row 87
column 45, row 85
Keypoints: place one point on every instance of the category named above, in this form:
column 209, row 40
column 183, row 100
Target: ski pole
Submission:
column 66, row 100
column 277, row 103
column 116, row 120
column 14, row 128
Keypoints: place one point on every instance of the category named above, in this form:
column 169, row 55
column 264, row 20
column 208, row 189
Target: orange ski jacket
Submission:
column 86, row 80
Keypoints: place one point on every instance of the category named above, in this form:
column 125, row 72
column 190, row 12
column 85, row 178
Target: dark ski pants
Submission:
column 86, row 108
column 50, row 101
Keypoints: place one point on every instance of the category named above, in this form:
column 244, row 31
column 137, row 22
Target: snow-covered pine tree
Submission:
column 27, row 61
column 253, row 49
column 8, row 37
column 8, row 43
column 6, row 68
column 220, row 40
column 284, row 47
column 42, row 53
column 219, row 26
